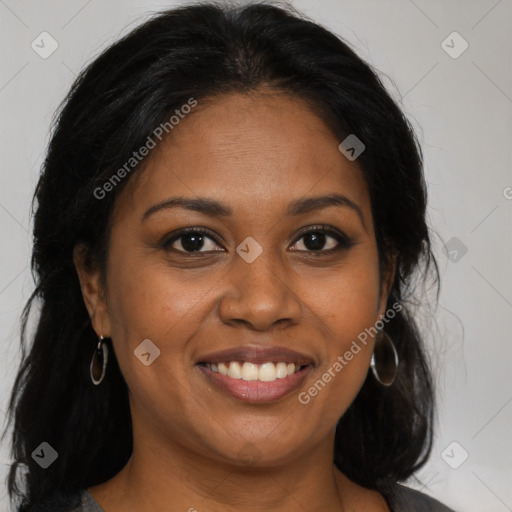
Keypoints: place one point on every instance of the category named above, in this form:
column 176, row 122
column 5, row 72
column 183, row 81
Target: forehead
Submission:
column 254, row 152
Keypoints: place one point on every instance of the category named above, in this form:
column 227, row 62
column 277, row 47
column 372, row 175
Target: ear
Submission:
column 387, row 280
column 92, row 291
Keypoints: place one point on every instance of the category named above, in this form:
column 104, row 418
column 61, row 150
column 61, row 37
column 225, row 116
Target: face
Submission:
column 261, row 275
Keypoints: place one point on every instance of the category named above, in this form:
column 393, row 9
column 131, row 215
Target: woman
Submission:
column 229, row 222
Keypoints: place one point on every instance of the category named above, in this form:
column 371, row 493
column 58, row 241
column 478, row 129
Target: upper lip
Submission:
column 257, row 355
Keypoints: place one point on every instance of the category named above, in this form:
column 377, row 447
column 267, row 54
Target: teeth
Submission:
column 250, row 371
column 235, row 370
column 266, row 372
column 282, row 370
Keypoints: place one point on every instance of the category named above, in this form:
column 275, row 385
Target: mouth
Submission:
column 265, row 383
column 256, row 375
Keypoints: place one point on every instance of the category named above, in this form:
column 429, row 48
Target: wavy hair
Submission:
column 204, row 50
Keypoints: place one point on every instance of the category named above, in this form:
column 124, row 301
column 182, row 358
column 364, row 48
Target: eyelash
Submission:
column 343, row 240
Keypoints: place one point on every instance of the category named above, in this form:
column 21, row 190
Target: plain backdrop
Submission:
column 460, row 102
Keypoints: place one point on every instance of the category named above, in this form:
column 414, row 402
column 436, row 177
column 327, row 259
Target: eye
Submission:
column 316, row 237
column 192, row 240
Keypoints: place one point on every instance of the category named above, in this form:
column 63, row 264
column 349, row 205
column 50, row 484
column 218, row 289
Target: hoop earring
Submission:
column 99, row 362
column 384, row 363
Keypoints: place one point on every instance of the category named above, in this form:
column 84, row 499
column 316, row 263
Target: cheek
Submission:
column 148, row 299
column 149, row 302
column 345, row 309
column 347, row 301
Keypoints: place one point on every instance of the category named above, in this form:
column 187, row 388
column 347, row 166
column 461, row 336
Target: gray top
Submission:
column 89, row 504
column 399, row 499
column 403, row 499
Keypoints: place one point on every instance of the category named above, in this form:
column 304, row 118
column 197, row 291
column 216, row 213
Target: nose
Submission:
column 259, row 295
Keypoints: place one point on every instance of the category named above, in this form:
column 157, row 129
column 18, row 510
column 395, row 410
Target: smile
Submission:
column 265, row 372
column 255, row 383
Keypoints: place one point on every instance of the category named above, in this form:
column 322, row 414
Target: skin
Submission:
column 256, row 153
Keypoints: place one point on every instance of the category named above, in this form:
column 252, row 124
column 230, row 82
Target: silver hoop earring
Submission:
column 384, row 363
column 99, row 360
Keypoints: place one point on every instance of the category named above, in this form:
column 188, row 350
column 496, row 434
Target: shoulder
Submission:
column 405, row 499
column 79, row 501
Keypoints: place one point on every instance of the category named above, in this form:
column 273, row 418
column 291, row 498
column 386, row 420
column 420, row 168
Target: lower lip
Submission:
column 256, row 391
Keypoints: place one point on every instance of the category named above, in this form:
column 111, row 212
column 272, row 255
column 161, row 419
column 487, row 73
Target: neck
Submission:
column 157, row 480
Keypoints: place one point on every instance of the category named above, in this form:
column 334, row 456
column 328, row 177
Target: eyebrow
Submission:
column 214, row 208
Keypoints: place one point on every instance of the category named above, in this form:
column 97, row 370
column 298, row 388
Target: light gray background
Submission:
column 462, row 109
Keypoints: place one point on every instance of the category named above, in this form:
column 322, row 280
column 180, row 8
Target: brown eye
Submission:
column 192, row 240
column 316, row 238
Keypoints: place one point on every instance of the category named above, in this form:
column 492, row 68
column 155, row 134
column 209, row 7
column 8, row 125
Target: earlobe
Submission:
column 92, row 291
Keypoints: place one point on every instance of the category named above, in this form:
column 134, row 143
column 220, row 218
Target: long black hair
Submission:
column 201, row 51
